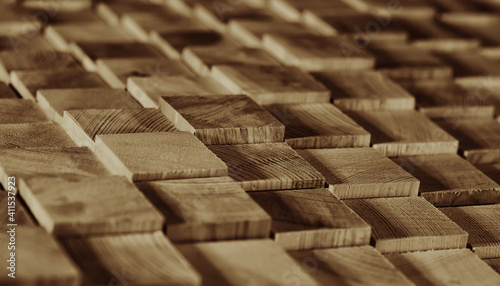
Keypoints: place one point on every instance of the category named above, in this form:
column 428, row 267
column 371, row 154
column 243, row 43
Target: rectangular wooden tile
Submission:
column 483, row 87
column 15, row 111
column 408, row 224
column 361, row 173
column 24, row 42
column 381, row 8
column 292, row 10
column 470, row 64
column 111, row 11
column 32, row 135
column 207, row 209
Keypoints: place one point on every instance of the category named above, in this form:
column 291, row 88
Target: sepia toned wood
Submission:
column 15, row 20
column 292, row 10
column 361, row 173
column 6, row 92
column 408, row 224
column 121, row 259
column 207, row 209
column 31, row 135
column 24, row 42
column 63, row 7
column 158, row 156
column 226, row 119
column 22, row 216
column 312, row 219
column 490, row 170
column 402, row 10
column 476, row 24
column 111, row 11
column 449, row 180
column 16, row 111
column 270, row 85
column 493, row 263
column 470, row 64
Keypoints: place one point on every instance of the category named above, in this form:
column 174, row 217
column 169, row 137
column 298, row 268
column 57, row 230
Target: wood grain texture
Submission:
column 22, row 216
column 485, row 87
column 445, row 267
column 16, row 111
column 222, row 119
column 449, row 180
column 270, row 85
column 271, row 166
column 397, row 133
column 408, row 224
column 312, row 219
column 361, row 173
column 6, row 91
column 158, row 156
column 483, row 225
column 32, row 135
column 207, row 209
column 475, row 24
column 141, row 259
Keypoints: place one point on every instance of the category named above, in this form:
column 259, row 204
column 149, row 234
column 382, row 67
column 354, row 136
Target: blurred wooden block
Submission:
column 121, row 259
column 253, row 262
column 82, row 15
column 16, row 20
column 24, row 42
column 21, row 216
column 493, row 263
column 361, row 173
column 400, row 133
column 158, row 156
column 226, row 119
column 292, row 10
column 84, row 125
column 16, row 111
column 63, row 7
column 402, row 10
column 6, row 92
column 32, row 135
column 420, row 226
column 455, row 5
column 28, row 82
column 81, row 205
column 470, row 64
column 207, row 209
column 444, row 267
column 111, row 11
column 312, row 219
column 491, row 170
column 270, row 85
column 52, row 266
column 365, row 90
column 351, row 266
column 475, row 24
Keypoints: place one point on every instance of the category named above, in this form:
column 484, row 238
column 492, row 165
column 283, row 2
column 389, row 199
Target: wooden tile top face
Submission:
column 449, row 180
column 483, row 225
column 270, row 85
column 272, row 166
column 312, row 218
column 361, row 173
column 15, row 111
column 475, row 24
column 117, row 50
column 226, row 119
column 158, row 156
column 31, row 135
column 408, row 224
column 40, row 60
column 207, row 209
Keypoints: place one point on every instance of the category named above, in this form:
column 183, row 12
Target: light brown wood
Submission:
column 21, row 216
column 292, row 10
column 207, row 209
column 475, row 24
column 408, row 224
column 271, row 166
column 24, row 42
column 31, row 135
column 12, row 23
column 402, row 10
column 484, row 87
column 361, row 173
column 15, row 111
column 6, row 91
column 111, row 11
column 470, row 64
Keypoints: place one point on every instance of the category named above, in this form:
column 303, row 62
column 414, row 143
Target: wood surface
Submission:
column 226, row 119
column 158, row 156
column 270, row 166
column 111, row 11
column 476, row 24
column 22, row 216
column 32, row 135
column 207, row 209
column 470, row 64
column 312, row 219
column 293, row 10
column 408, row 224
column 24, row 42
column 16, row 111
column 490, row 170
column 6, row 91
column 381, row 8
column 493, row 263
column 485, row 87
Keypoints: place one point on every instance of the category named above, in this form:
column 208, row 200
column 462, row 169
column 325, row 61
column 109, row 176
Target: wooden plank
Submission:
column 24, row 42
column 470, row 64
column 445, row 267
column 21, row 216
column 493, row 263
column 158, row 156
column 491, row 170
column 400, row 133
column 16, row 111
column 63, row 7
column 475, row 24
column 408, row 224
column 312, row 219
column 292, row 10
column 6, row 91
column 32, row 135
column 483, row 225
column 448, row 180
column 361, row 173
column 207, row 209
column 270, row 166
column 226, row 119
column 350, row 266
column 121, row 259
column 401, row 10
column 16, row 20
column 270, row 85
column 111, row 11
column 81, row 205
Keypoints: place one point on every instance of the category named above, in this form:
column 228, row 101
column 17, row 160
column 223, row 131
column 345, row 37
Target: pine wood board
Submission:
column 361, row 173
column 22, row 216
column 32, row 135
column 6, row 92
column 16, row 111
column 475, row 24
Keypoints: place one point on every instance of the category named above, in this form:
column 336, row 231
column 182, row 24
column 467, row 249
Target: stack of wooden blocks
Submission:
column 250, row 142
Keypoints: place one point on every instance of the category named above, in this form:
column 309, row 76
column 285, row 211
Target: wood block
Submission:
column 470, row 64
column 6, row 92
column 251, row 262
column 445, row 267
column 111, row 11
column 474, row 24
column 122, row 258
column 408, row 224
column 21, row 216
column 28, row 82
column 292, row 10
column 226, row 119
column 24, row 42
column 350, row 266
column 456, row 5
column 63, row 7
column 448, row 180
column 32, row 135
column 491, row 170
column 52, row 266
column 270, row 85
column 365, row 90
column 82, row 205
column 484, row 87
column 271, row 166
column 158, row 156
column 493, row 263
column 483, row 225
column 16, row 111
column 361, row 173
column 400, row 133
column 401, row 10
column 318, row 125
column 54, row 102
column 312, row 219
column 207, row 209
column 16, row 20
